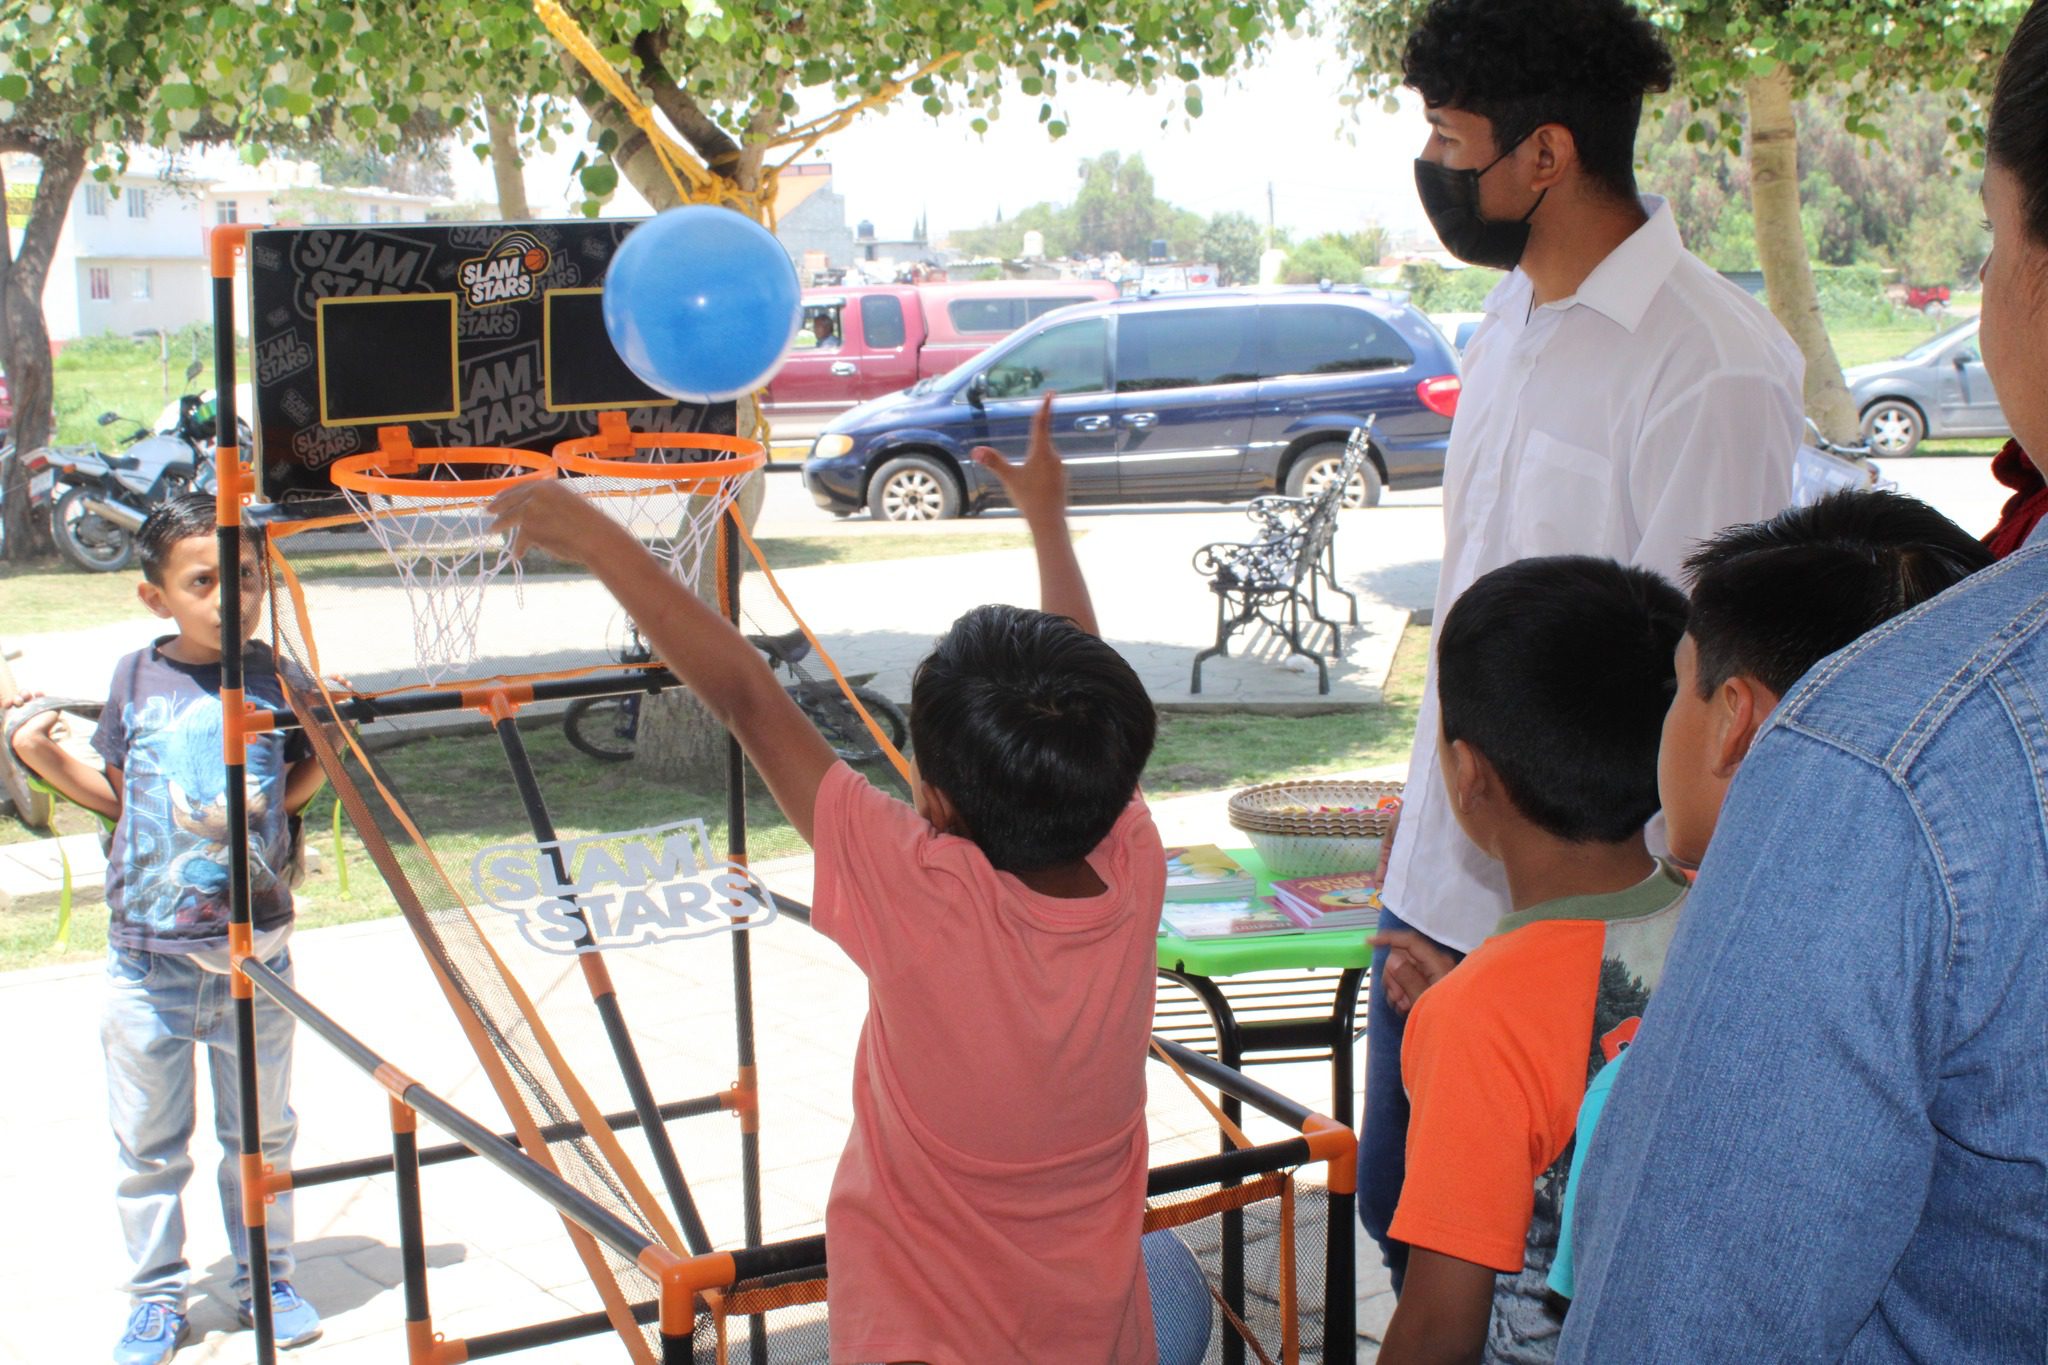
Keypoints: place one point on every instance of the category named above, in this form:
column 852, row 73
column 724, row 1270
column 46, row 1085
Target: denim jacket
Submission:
column 1831, row 1140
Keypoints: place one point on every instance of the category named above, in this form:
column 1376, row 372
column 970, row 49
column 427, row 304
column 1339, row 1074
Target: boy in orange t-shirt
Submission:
column 1554, row 676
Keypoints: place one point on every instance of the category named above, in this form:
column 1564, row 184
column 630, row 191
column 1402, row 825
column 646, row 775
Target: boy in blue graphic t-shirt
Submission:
column 167, row 902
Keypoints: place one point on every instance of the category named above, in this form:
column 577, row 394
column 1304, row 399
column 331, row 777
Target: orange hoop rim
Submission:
column 359, row 473
column 584, row 455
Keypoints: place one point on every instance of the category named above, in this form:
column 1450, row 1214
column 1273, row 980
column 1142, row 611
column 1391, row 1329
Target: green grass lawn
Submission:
column 111, row 374
column 456, row 788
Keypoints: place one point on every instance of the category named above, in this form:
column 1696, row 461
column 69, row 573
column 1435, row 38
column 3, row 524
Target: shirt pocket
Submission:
column 1562, row 498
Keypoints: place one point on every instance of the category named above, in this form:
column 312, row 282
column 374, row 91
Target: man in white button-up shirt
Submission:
column 1620, row 399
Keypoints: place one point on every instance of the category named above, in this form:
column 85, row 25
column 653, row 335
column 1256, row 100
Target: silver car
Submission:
column 1935, row 391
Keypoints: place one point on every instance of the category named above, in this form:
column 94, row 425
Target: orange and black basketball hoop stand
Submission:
column 684, row 1275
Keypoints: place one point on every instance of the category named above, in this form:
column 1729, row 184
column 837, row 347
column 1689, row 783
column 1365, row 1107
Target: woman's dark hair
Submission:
column 1773, row 598
column 2018, row 135
column 1036, row 731
column 181, row 518
column 1559, row 671
column 1519, row 64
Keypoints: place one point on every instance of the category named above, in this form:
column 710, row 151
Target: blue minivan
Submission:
column 1223, row 394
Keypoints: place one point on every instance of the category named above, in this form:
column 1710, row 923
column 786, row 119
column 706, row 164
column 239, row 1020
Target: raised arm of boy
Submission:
column 1038, row 489
column 728, row 675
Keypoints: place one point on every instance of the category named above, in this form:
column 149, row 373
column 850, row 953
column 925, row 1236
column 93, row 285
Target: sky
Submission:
column 1279, row 121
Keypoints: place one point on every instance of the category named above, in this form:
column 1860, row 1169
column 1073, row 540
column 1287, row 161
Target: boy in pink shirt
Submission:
column 989, row 1203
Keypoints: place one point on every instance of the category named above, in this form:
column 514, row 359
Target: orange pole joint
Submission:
column 403, row 1119
column 1334, row 1144
column 223, row 244
column 500, row 701
column 234, row 726
column 425, row 1346
column 393, row 1080
column 256, row 1189
column 230, row 485
column 241, row 947
column 743, row 1098
column 682, row 1279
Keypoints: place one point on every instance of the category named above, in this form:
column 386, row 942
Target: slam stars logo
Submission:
column 509, row 272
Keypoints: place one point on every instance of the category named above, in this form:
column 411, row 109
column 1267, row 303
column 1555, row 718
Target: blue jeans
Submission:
column 1383, row 1131
column 160, row 1007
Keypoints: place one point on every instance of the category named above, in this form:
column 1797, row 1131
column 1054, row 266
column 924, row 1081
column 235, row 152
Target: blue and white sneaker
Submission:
column 293, row 1321
column 154, row 1332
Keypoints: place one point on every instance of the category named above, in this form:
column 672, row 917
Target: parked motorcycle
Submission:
column 106, row 497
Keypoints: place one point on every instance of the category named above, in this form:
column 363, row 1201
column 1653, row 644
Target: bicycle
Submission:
column 608, row 728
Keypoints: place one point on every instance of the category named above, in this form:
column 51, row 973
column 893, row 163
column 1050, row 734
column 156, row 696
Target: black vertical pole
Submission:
column 743, row 953
column 412, row 1237
column 606, row 998
column 234, row 735
column 1340, row 1284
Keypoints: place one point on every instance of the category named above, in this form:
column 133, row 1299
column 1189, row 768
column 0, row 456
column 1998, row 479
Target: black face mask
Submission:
column 1451, row 199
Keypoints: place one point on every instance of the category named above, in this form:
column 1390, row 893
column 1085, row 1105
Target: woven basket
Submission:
column 1296, row 837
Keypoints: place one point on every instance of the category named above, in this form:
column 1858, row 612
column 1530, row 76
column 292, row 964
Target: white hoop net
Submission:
column 676, row 520
column 446, row 555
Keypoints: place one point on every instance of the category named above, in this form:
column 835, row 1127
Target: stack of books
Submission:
column 1210, row 895
column 1206, row 873
column 1224, row 919
column 1343, row 900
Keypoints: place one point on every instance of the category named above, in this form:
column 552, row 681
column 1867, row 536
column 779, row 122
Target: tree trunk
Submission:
column 1781, row 249
column 507, row 167
column 24, row 336
column 634, row 155
column 677, row 740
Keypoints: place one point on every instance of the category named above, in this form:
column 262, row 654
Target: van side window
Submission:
column 1068, row 358
column 1326, row 338
column 1038, row 308
column 1184, row 348
column 985, row 315
column 881, row 321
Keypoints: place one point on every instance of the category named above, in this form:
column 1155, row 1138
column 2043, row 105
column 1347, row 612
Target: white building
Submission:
column 132, row 256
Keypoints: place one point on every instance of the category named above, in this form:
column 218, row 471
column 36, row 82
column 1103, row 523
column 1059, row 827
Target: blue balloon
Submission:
column 701, row 303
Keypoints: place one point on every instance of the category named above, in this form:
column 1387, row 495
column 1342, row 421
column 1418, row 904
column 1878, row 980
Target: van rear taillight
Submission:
column 1440, row 395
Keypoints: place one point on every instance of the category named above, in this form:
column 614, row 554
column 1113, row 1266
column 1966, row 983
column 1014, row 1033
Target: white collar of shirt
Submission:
column 1622, row 286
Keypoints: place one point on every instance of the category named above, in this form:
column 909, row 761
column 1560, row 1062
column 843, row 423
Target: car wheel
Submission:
column 913, row 488
column 1893, row 427
column 1318, row 465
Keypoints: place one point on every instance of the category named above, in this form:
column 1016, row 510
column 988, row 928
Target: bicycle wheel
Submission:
column 603, row 727
column 841, row 725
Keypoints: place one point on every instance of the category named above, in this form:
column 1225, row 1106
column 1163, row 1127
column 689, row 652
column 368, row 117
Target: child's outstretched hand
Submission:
column 1414, row 964
column 544, row 515
column 1037, row 487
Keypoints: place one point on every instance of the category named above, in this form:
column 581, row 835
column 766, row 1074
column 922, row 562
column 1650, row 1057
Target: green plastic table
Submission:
column 1206, row 966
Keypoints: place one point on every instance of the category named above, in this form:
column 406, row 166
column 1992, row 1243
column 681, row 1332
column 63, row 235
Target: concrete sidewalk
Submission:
column 881, row 616
column 498, row 1258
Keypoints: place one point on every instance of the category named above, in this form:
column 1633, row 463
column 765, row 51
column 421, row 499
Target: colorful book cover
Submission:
column 1205, row 872
column 1334, row 901
column 1226, row 919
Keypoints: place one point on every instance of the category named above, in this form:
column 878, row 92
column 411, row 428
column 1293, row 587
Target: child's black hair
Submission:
column 1560, row 671
column 1519, row 64
column 181, row 518
column 1773, row 598
column 1035, row 730
column 2017, row 137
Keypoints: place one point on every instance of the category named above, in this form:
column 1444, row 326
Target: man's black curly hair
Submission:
column 1519, row 64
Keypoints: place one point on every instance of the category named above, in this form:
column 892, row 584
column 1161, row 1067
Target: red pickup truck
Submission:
column 861, row 342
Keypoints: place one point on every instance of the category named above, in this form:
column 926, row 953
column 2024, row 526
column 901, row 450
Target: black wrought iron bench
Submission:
column 1275, row 578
